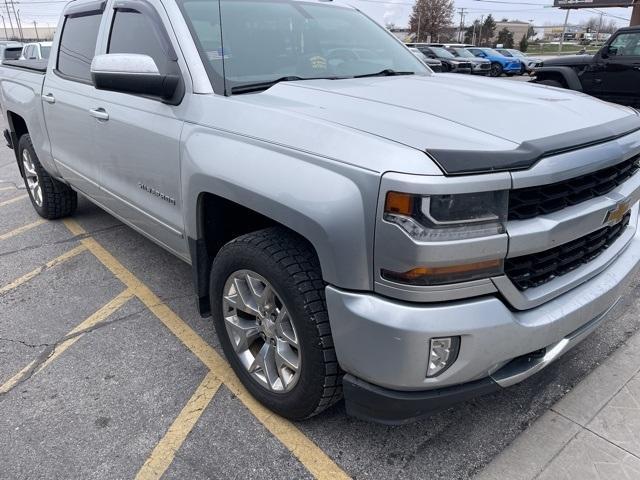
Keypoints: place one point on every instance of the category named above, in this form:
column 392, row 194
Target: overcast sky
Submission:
column 396, row 11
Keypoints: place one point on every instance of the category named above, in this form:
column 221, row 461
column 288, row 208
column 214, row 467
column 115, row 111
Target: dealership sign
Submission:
column 592, row 3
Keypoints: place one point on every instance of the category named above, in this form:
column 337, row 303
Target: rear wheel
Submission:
column 267, row 299
column 496, row 70
column 50, row 198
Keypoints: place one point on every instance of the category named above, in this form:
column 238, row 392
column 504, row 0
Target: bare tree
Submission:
column 430, row 18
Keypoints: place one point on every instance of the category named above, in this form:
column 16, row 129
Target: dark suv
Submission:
column 613, row 74
column 449, row 62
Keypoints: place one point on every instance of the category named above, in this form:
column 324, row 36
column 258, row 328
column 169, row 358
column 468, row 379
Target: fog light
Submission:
column 443, row 352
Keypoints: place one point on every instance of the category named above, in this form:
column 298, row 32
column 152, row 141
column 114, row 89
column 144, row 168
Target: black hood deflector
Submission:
column 464, row 162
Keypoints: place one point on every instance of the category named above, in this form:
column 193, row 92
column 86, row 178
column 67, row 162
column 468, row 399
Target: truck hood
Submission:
column 568, row 60
column 465, row 124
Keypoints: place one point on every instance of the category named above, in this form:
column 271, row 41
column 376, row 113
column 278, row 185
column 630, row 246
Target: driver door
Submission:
column 619, row 75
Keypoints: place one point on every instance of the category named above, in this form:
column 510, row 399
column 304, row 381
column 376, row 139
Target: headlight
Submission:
column 447, row 218
column 442, row 218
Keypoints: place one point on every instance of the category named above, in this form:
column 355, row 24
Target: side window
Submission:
column 627, row 45
column 78, row 45
column 134, row 32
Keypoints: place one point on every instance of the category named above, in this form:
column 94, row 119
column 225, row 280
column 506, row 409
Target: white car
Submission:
column 36, row 51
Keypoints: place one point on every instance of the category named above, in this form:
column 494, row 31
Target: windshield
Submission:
column 491, row 51
column 517, row 53
column 441, row 52
column 505, row 53
column 263, row 41
column 463, row 52
column 45, row 51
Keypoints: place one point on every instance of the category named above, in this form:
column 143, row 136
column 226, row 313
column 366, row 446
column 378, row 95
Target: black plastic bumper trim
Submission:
column 391, row 407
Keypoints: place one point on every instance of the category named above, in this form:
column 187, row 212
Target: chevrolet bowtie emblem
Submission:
column 617, row 213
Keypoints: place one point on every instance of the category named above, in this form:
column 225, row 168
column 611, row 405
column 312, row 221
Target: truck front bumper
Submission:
column 383, row 344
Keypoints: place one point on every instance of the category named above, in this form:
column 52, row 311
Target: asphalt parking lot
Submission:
column 107, row 371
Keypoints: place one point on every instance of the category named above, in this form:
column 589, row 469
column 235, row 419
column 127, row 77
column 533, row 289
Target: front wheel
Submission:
column 268, row 303
column 496, row 70
column 50, row 198
column 551, row 83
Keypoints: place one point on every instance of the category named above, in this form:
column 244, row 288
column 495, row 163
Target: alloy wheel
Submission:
column 31, row 177
column 261, row 331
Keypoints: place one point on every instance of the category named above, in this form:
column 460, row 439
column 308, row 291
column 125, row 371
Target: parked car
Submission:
column 499, row 63
column 10, row 50
column 432, row 63
column 36, row 51
column 481, row 66
column 613, row 74
column 449, row 62
column 529, row 64
column 370, row 229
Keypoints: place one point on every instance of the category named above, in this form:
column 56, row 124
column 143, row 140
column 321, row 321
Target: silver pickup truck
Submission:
column 357, row 226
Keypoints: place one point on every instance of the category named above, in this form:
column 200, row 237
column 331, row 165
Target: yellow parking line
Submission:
column 13, row 200
column 102, row 314
column 308, row 453
column 21, row 230
column 56, row 261
column 165, row 451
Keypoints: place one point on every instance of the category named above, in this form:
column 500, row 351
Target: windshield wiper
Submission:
column 260, row 86
column 387, row 72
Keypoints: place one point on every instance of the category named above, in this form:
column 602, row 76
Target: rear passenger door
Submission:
column 68, row 96
column 138, row 144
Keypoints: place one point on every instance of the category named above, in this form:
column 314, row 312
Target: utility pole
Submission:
column 473, row 37
column 480, row 34
column 4, row 25
column 13, row 32
column 35, row 27
column 419, row 24
column 461, row 23
column 599, row 27
column 564, row 30
column 635, row 15
column 13, row 6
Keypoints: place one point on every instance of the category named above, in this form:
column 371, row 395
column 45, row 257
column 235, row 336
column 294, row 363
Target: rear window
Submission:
column 12, row 53
column 78, row 45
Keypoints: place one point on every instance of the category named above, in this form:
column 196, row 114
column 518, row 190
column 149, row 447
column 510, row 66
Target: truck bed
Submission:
column 33, row 65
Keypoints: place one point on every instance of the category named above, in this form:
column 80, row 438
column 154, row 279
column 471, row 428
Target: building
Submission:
column 519, row 30
column 42, row 33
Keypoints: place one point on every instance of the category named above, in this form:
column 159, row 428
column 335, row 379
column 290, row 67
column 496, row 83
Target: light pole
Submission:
column 564, row 30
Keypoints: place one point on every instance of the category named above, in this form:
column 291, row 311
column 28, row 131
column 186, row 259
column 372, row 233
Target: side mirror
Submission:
column 132, row 73
column 608, row 51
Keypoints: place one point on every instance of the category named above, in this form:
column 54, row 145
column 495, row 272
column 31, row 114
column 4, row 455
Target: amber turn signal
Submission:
column 400, row 203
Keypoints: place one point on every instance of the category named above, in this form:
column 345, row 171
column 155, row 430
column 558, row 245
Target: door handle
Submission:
column 49, row 98
column 99, row 113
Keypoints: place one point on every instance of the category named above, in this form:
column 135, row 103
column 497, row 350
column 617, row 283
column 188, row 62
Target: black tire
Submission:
column 58, row 199
column 291, row 266
column 496, row 70
column 551, row 83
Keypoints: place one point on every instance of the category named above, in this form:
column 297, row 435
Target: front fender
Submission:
column 331, row 204
column 567, row 73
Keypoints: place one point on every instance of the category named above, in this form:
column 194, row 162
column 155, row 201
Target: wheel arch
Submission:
column 17, row 128
column 565, row 75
